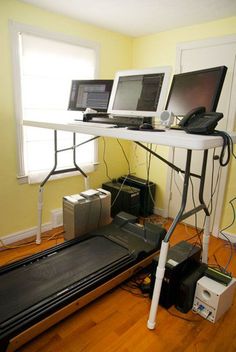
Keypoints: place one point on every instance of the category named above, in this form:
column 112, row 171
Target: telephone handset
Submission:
column 200, row 122
column 186, row 120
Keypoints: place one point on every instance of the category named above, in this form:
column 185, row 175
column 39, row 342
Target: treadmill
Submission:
column 38, row 291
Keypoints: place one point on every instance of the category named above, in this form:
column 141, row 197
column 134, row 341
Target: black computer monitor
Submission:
column 197, row 88
column 93, row 93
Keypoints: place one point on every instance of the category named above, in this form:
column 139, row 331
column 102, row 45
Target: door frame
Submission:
column 230, row 124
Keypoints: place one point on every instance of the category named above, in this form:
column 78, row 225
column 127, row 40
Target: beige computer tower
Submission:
column 85, row 212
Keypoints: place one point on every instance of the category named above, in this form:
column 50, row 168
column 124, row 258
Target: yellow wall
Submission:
column 18, row 203
column 160, row 49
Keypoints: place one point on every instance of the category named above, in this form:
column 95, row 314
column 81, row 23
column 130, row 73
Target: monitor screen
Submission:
column 197, row 88
column 139, row 92
column 94, row 94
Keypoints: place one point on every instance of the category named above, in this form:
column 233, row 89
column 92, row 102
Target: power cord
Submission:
column 139, row 285
column 182, row 318
column 227, row 147
column 126, row 158
column 104, row 160
column 224, row 235
column 31, row 242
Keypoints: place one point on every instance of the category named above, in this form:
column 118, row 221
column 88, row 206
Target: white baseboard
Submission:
column 230, row 236
column 161, row 212
column 21, row 235
column 56, row 221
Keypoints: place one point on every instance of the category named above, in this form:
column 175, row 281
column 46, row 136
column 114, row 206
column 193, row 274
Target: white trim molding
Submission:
column 22, row 235
column 161, row 212
column 204, row 43
column 230, row 236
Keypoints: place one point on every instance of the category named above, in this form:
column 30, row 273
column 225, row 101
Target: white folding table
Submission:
column 169, row 138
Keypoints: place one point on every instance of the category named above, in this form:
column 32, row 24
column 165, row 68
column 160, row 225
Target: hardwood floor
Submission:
column 117, row 320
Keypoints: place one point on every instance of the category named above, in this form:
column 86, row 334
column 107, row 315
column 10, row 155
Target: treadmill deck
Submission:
column 37, row 287
column 51, row 275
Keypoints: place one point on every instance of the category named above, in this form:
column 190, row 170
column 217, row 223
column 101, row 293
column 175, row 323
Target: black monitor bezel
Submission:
column 222, row 70
column 72, row 102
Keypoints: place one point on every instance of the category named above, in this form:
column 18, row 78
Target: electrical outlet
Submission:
column 56, row 218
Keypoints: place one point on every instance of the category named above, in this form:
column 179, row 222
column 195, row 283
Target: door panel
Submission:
column 195, row 58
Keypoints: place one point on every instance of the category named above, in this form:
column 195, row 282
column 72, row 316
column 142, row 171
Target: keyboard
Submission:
column 119, row 121
column 113, row 120
column 92, row 124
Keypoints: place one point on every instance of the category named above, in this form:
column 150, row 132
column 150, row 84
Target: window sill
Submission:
column 26, row 180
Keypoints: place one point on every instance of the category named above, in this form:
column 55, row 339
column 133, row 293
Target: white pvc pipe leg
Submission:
column 205, row 240
column 40, row 209
column 86, row 183
column 158, row 283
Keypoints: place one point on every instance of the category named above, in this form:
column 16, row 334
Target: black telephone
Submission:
column 199, row 121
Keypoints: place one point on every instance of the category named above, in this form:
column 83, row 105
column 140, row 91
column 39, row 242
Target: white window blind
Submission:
column 47, row 67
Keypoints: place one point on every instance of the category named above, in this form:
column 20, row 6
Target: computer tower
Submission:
column 85, row 212
column 123, row 198
column 187, row 287
column 181, row 259
column 147, row 192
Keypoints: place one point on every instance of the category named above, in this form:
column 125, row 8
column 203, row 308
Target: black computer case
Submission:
column 187, row 287
column 123, row 198
column 181, row 260
column 147, row 192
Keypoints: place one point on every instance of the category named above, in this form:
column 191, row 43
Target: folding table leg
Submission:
column 206, row 234
column 205, row 240
column 160, row 271
column 165, row 246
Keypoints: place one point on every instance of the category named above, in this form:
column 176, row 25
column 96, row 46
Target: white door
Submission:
column 190, row 57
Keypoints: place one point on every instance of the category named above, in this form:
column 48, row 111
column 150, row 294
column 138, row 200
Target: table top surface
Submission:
column 171, row 138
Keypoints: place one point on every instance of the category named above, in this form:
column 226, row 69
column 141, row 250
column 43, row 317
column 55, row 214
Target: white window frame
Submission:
column 15, row 28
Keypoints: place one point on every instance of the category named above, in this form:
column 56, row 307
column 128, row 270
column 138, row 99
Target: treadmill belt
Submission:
column 29, row 284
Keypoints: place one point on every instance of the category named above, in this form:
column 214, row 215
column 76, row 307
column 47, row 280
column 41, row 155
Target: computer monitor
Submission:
column 139, row 92
column 197, row 88
column 93, row 93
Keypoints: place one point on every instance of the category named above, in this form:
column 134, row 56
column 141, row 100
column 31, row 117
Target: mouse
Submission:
column 146, row 126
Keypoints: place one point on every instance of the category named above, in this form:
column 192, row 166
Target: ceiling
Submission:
column 140, row 17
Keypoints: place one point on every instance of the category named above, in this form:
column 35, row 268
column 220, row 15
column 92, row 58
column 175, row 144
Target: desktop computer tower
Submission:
column 187, row 287
column 147, row 192
column 85, row 212
column 181, row 259
column 123, row 198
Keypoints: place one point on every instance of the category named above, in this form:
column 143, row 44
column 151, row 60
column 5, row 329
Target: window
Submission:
column 44, row 66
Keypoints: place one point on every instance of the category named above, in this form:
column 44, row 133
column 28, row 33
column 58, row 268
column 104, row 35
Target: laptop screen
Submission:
column 94, row 94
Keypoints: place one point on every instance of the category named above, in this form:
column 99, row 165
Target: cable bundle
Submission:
column 226, row 148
